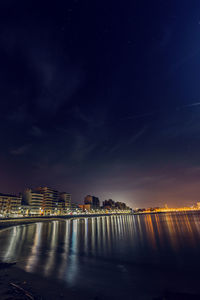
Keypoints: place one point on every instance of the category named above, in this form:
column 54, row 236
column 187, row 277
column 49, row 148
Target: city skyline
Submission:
column 101, row 99
column 40, row 190
column 101, row 201
column 44, row 201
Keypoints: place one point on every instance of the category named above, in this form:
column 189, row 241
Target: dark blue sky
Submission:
column 101, row 97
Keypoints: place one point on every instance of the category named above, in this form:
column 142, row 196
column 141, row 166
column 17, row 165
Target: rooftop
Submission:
column 7, row 195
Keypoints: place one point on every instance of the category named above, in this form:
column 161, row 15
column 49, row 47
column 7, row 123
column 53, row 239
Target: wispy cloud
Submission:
column 128, row 141
column 136, row 136
column 139, row 116
column 192, row 104
column 36, row 131
column 20, row 115
column 82, row 148
column 20, row 150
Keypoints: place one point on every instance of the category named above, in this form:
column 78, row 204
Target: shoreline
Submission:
column 16, row 283
column 11, row 222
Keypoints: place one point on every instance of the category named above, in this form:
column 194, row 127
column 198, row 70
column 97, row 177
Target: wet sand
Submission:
column 18, row 284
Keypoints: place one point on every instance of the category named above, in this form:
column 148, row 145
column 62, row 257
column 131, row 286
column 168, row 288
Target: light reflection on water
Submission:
column 92, row 250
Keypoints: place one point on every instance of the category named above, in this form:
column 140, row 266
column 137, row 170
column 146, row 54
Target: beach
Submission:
column 117, row 257
column 18, row 284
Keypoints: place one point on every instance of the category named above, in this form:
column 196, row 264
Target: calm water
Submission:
column 117, row 256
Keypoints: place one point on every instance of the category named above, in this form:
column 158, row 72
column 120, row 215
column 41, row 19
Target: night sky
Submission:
column 101, row 97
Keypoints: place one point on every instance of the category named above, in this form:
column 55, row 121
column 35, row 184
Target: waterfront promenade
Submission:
column 8, row 222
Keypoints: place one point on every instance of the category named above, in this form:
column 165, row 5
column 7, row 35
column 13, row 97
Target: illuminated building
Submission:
column 10, row 203
column 198, row 205
column 50, row 199
column 85, row 207
column 34, row 199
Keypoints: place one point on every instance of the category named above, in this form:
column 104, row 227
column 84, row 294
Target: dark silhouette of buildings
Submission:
column 93, row 201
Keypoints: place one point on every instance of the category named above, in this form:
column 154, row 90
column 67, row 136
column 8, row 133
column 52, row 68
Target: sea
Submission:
column 115, row 257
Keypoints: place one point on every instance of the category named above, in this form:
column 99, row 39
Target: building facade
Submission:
column 112, row 205
column 85, row 207
column 50, row 199
column 109, row 204
column 65, row 201
column 93, row 201
column 34, row 200
column 10, row 204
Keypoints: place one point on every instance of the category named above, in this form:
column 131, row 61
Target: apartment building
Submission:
column 34, row 200
column 50, row 199
column 10, row 203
